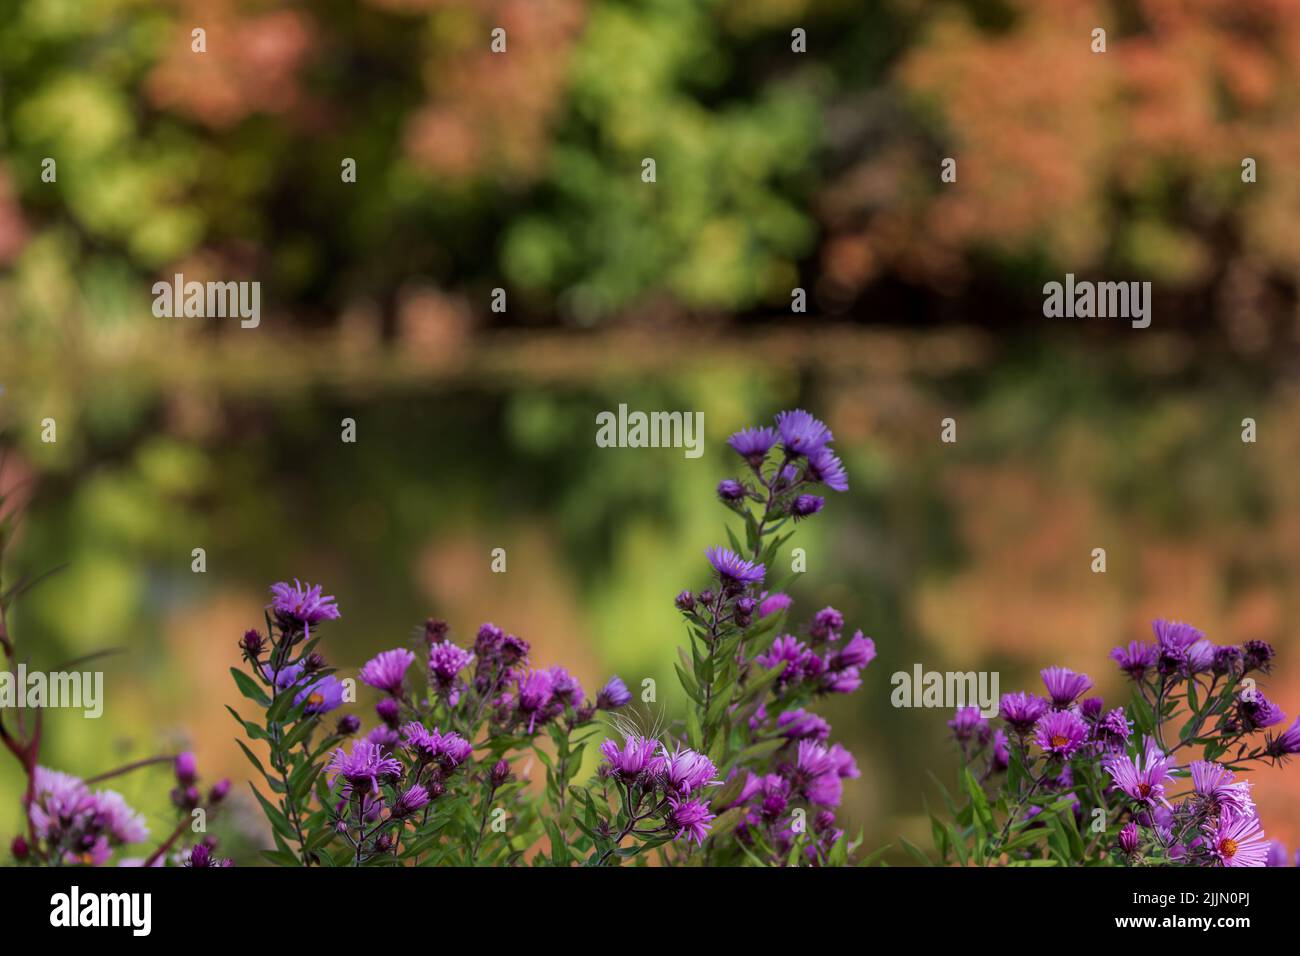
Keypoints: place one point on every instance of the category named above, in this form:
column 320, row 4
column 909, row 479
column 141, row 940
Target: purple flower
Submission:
column 186, row 768
column 1257, row 655
column 685, row 771
column 110, row 815
column 826, row 624
column 535, row 690
column 1237, row 839
column 729, row 489
column 773, row 604
column 801, row 725
column 286, row 677
column 1060, row 733
column 1113, row 730
column 201, row 857
column 1021, row 711
column 364, row 768
column 450, row 750
column 690, row 818
column 967, row 723
column 1136, row 659
column 1215, row 786
column 858, row 652
column 613, row 695
column 1064, row 686
column 816, row 774
column 825, row 466
column 732, row 568
column 636, row 758
column 805, row 506
column 446, row 661
column 801, row 433
column 565, row 688
column 1128, row 838
column 321, row 697
column 410, row 801
column 1277, row 854
column 1287, row 742
column 302, row 603
column 386, row 671
column 1256, row 711
column 1142, row 779
column 789, row 651
column 753, row 444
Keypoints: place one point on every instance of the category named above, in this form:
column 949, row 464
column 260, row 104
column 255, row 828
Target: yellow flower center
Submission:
column 1228, row 847
column 1144, row 789
column 315, row 700
column 1059, row 741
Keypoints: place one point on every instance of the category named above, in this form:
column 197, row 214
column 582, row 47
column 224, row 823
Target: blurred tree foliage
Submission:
column 521, row 169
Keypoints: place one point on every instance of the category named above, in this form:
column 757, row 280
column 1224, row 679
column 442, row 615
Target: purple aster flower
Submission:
column 410, row 801
column 801, row 434
column 1021, row 711
column 1175, row 637
column 967, row 723
column 186, row 768
column 384, row 737
column 1286, row 743
column 108, row 814
column 201, row 857
column 303, row 604
column 826, row 624
column 824, row 466
column 773, row 604
column 1257, row 655
column 321, row 697
column 364, row 768
column 753, row 444
column 635, row 759
column 732, row 568
column 858, row 652
column 386, row 671
column 613, row 695
column 446, row 661
column 1215, row 786
column 690, row 818
column 789, row 651
column 1136, row 659
column 535, row 690
column 805, row 506
column 1256, row 711
column 685, row 601
column 286, row 677
column 1237, row 839
column 843, row 681
column 801, row 725
column 1277, row 854
column 1142, row 779
column 1200, row 657
column 1064, row 686
column 816, row 774
column 1128, row 838
column 348, row 725
column 1060, row 733
column 1227, row 660
column 729, row 489
column 843, row 761
column 685, row 771
column 565, row 688
column 1113, row 730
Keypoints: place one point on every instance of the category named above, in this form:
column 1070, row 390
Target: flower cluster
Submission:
column 1068, row 760
column 431, row 780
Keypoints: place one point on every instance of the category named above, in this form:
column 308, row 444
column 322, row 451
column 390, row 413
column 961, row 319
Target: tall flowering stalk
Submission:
column 747, row 776
column 1063, row 779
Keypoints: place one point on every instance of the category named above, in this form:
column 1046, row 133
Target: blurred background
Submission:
column 475, row 429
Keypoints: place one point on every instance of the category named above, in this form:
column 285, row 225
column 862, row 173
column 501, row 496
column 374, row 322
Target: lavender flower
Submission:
column 684, row 771
column 302, row 604
column 387, row 671
column 753, row 444
column 825, row 467
column 1215, row 786
column 1237, row 839
column 1285, row 743
column 321, row 697
column 613, row 695
column 690, row 818
column 801, row 433
column 732, row 568
column 364, row 768
column 1136, row 659
column 1021, row 711
column 1142, row 779
column 1060, row 733
column 1064, row 686
column 633, row 761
